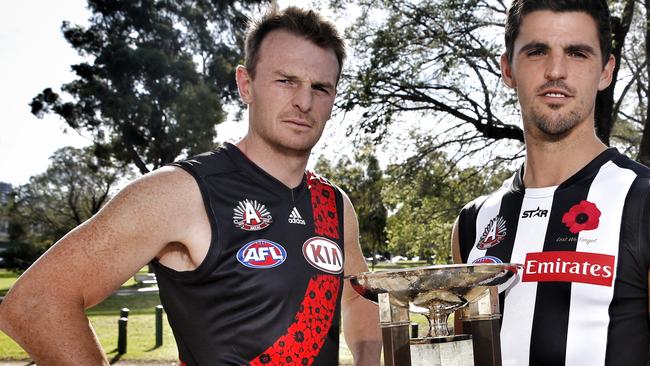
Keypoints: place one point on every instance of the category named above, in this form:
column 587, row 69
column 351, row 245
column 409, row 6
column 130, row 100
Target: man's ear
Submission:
column 506, row 72
column 244, row 84
column 606, row 74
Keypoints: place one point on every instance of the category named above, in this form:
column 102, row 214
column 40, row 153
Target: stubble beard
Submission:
column 554, row 127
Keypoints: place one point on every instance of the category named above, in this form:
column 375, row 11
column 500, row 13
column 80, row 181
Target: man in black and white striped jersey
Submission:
column 575, row 213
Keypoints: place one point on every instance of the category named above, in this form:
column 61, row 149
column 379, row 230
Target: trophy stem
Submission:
column 438, row 324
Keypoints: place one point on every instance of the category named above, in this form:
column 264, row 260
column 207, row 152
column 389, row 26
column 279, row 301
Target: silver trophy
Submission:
column 436, row 292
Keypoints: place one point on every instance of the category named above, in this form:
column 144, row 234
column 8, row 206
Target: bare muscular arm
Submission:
column 360, row 316
column 44, row 310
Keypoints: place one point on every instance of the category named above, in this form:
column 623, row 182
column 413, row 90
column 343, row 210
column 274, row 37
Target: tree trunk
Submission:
column 644, row 149
column 604, row 118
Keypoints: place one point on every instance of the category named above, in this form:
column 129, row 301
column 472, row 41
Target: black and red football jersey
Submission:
column 269, row 289
column 582, row 296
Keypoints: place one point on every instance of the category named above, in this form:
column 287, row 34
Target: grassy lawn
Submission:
column 141, row 327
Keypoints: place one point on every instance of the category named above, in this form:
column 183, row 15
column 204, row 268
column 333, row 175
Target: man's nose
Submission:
column 556, row 68
column 303, row 98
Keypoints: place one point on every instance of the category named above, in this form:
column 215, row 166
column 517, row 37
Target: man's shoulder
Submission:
column 207, row 163
column 313, row 177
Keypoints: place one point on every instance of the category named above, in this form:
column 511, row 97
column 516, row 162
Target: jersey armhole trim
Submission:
column 213, row 250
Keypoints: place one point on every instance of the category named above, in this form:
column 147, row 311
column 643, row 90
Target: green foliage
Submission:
column 438, row 57
column 409, row 209
column 363, row 181
column 438, row 60
column 73, row 188
column 156, row 76
column 426, row 198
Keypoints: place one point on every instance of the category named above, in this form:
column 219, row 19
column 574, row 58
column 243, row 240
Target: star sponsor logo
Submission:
column 534, row 213
column 295, row 218
column 565, row 266
column 493, row 234
column 323, row 254
column 251, row 216
column 487, row 259
column 261, row 253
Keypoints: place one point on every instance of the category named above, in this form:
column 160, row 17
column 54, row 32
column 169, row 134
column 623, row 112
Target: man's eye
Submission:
column 284, row 81
column 578, row 54
column 535, row 53
column 321, row 89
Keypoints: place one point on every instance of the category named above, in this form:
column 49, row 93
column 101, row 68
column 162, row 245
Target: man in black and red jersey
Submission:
column 249, row 248
column 575, row 214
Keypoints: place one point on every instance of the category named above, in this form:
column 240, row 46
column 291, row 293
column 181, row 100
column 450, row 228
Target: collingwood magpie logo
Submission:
column 295, row 218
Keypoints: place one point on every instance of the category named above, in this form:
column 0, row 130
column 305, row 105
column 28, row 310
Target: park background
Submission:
column 95, row 93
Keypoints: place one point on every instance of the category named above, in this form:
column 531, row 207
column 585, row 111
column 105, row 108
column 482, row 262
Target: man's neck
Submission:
column 549, row 163
column 285, row 167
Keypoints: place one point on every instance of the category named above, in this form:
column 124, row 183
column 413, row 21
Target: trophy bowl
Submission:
column 434, row 291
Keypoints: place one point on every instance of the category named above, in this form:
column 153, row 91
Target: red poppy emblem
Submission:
column 583, row 216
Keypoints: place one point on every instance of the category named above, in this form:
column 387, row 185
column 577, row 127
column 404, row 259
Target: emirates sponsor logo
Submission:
column 591, row 268
column 251, row 216
column 493, row 234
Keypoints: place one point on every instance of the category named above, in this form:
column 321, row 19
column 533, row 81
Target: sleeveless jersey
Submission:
column 582, row 295
column 269, row 289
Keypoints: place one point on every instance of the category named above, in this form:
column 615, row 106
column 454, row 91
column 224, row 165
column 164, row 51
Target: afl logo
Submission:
column 323, row 254
column 261, row 253
column 487, row 259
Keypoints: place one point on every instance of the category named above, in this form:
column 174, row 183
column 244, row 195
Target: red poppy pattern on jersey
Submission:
column 582, row 216
column 303, row 340
column 323, row 201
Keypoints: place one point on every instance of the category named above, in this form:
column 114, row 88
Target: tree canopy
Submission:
column 74, row 187
column 438, row 61
column 156, row 76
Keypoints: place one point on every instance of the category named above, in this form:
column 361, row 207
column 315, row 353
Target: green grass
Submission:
column 399, row 265
column 141, row 333
column 104, row 317
column 6, row 280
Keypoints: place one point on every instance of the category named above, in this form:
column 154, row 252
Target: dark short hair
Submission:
column 597, row 9
column 301, row 22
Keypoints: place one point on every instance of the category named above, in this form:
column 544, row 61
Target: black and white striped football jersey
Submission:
column 582, row 295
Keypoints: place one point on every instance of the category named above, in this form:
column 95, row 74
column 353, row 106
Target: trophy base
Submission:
column 442, row 351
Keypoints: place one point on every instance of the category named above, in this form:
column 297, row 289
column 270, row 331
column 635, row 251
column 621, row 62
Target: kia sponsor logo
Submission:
column 261, row 253
column 323, row 254
column 562, row 266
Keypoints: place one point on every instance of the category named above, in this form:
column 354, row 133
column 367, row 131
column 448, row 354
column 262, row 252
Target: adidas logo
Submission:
column 295, row 218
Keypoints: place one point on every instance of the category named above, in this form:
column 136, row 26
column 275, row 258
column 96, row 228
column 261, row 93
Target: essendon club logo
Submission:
column 592, row 268
column 494, row 232
column 323, row 254
column 251, row 216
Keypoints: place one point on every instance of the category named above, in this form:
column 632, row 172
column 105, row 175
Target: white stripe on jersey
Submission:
column 489, row 210
column 520, row 299
column 588, row 315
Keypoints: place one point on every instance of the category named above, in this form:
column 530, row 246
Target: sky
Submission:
column 33, row 56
